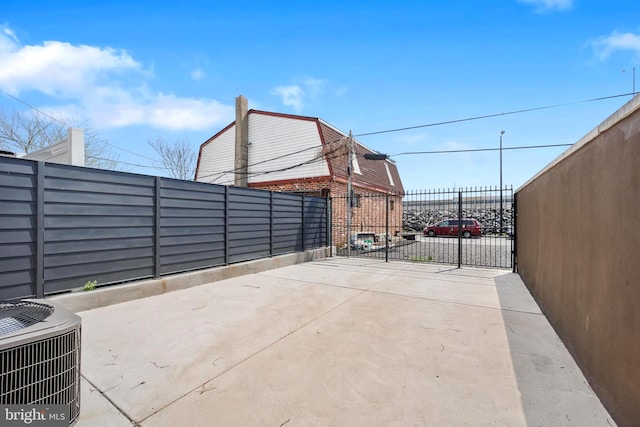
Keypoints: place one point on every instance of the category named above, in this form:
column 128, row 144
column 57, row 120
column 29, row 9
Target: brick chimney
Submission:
column 242, row 143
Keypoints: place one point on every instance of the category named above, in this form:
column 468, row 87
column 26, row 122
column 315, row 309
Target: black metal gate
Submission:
column 470, row 227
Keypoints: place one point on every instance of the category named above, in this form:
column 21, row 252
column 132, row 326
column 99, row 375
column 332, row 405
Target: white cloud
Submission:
column 549, row 5
column 197, row 74
column 104, row 85
column 119, row 108
column 617, row 41
column 291, row 96
column 8, row 32
column 295, row 95
column 314, row 86
column 57, row 68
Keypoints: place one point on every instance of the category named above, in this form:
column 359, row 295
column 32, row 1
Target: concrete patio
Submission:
column 335, row 342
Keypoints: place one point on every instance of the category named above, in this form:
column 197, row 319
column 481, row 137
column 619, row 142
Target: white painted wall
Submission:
column 275, row 145
column 68, row 152
column 281, row 143
column 217, row 159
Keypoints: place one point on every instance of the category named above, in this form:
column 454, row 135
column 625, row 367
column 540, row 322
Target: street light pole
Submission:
column 349, row 191
column 501, row 133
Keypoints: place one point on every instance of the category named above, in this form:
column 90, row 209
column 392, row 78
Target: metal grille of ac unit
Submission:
column 40, row 364
column 18, row 315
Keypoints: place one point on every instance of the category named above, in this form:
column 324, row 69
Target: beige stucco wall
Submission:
column 578, row 244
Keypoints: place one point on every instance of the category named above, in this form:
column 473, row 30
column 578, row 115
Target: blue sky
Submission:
column 145, row 70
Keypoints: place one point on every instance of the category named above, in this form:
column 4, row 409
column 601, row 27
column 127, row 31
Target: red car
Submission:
column 449, row 227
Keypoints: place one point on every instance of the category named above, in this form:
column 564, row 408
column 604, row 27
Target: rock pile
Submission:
column 489, row 218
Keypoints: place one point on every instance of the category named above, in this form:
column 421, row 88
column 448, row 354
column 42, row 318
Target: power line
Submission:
column 130, row 152
column 286, row 168
column 310, row 161
column 127, row 163
column 470, row 150
column 168, row 169
column 155, row 161
column 221, row 173
column 33, row 108
column 324, row 158
column 320, row 159
column 468, row 119
column 335, row 156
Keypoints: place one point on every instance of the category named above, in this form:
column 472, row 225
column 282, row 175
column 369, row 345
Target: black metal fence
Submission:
column 61, row 226
column 470, row 227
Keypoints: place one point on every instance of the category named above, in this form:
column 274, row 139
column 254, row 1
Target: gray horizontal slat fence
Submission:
column 287, row 223
column 316, row 222
column 192, row 225
column 61, row 226
column 248, row 224
column 99, row 225
column 18, row 217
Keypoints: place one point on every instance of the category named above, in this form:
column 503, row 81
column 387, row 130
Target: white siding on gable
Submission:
column 217, row 158
column 280, row 147
column 386, row 166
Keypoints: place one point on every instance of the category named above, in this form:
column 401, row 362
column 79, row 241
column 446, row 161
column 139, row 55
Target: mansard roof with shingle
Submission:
column 280, row 130
column 376, row 175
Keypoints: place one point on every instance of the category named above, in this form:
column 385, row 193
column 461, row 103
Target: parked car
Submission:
column 450, row 227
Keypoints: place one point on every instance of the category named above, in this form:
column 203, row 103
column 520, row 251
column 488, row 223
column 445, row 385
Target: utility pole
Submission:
column 501, row 133
column 349, row 190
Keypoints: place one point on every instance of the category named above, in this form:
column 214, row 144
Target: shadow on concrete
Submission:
column 553, row 390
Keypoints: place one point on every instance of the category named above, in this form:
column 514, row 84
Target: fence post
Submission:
column 514, row 231
column 271, row 223
column 226, row 225
column 386, row 231
column 40, row 231
column 156, row 232
column 304, row 246
column 459, row 229
column 329, row 237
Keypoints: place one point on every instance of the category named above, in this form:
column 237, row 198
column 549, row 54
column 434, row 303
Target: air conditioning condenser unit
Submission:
column 39, row 355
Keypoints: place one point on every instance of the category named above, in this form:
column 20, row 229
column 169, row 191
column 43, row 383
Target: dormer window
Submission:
column 356, row 165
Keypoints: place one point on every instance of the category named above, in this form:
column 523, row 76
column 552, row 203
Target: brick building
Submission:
column 291, row 153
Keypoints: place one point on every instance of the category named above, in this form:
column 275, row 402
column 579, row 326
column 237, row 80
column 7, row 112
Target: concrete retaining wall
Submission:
column 578, row 245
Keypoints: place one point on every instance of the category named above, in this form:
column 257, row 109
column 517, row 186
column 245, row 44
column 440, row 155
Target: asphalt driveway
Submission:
column 335, row 342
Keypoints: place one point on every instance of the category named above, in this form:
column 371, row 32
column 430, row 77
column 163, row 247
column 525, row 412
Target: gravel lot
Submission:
column 485, row 251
